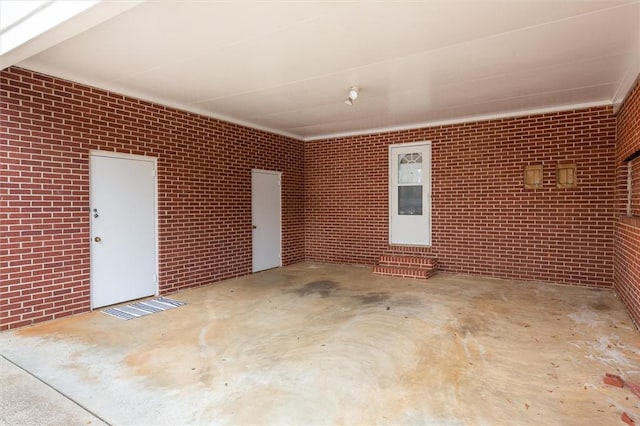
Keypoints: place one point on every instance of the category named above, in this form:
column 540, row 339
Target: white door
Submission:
column 265, row 212
column 410, row 194
column 123, row 228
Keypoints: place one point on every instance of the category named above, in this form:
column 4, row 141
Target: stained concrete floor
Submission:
column 330, row 344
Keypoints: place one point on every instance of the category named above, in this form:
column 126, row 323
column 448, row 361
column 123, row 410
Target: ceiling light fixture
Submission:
column 353, row 95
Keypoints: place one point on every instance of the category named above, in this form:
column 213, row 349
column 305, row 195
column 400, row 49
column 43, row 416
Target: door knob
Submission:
column 97, row 239
column 254, row 227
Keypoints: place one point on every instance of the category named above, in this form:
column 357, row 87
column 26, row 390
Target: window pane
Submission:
column 410, row 200
column 410, row 168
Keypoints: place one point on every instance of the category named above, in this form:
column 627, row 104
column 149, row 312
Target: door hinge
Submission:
column 155, row 278
column 154, row 172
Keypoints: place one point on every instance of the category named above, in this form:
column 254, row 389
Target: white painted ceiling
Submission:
column 287, row 66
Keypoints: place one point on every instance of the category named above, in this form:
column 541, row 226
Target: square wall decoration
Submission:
column 566, row 176
column 533, row 177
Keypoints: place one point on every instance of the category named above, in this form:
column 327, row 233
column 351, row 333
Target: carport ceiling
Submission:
column 287, row 66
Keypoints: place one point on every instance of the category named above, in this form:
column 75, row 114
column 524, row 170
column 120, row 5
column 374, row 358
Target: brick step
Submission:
column 406, row 261
column 395, row 271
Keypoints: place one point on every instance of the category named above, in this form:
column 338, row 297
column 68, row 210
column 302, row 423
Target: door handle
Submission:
column 254, row 227
column 97, row 239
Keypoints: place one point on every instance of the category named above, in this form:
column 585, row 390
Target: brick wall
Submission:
column 484, row 221
column 48, row 126
column 628, row 125
column 627, row 236
column 627, row 265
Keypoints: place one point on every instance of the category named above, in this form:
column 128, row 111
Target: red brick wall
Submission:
column 48, row 126
column 627, row 265
column 628, row 125
column 484, row 221
column 627, row 237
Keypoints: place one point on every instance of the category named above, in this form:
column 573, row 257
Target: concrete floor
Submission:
column 329, row 344
column 25, row 400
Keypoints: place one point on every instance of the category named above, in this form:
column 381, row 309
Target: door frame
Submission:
column 427, row 187
column 122, row 156
column 279, row 174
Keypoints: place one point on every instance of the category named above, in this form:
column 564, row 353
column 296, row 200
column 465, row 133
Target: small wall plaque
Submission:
column 533, row 177
column 566, row 176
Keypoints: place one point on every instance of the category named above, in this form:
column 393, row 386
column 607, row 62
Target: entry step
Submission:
column 406, row 266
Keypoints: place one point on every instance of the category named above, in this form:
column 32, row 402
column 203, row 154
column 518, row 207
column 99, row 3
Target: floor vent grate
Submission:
column 140, row 309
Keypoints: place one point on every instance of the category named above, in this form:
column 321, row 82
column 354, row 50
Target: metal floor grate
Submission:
column 141, row 309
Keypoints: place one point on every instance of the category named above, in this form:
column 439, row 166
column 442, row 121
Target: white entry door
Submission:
column 410, row 194
column 265, row 212
column 123, row 228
